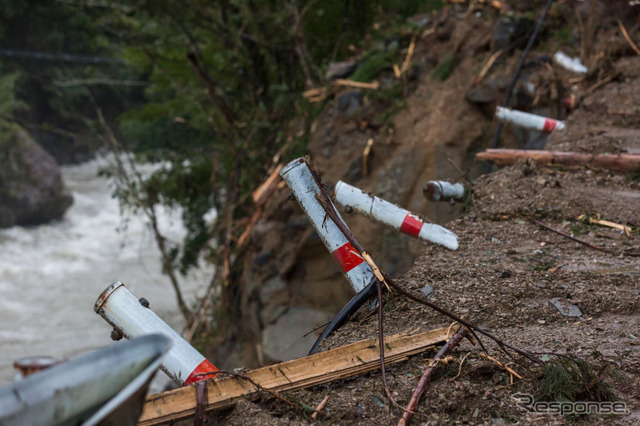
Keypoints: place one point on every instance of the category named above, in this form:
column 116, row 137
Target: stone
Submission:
column 565, row 308
column 427, row 291
column 283, row 340
column 31, row 188
column 510, row 29
column 482, row 94
column 349, row 102
column 340, row 70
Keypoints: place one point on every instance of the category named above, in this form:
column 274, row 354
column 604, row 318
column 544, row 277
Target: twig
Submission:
column 368, row 315
column 148, row 210
column 320, row 407
column 600, row 84
column 464, row 358
column 328, row 207
column 501, row 365
column 472, row 328
column 365, row 157
column 317, row 328
column 626, row 37
column 383, row 369
column 488, row 65
column 206, row 300
column 254, row 383
column 462, row 174
column 350, row 83
column 428, row 372
column 577, row 240
column 407, row 59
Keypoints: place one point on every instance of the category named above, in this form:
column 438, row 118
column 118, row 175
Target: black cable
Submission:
column 349, row 309
column 516, row 75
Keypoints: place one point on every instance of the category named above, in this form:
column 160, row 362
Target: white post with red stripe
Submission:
column 120, row 308
column 439, row 190
column 528, row 121
column 383, row 211
column 569, row 63
column 298, row 177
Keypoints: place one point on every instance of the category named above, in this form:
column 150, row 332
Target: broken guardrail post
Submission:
column 298, row 177
column 383, row 211
column 528, row 120
column 120, row 308
column 439, row 190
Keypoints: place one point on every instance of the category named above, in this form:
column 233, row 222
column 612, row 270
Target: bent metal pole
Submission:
column 383, row 211
column 297, row 175
column 528, row 121
column 120, row 308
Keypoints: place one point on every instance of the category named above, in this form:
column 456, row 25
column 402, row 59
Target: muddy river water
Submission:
column 51, row 275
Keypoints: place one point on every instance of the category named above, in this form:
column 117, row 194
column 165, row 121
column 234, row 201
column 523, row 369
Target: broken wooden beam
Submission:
column 504, row 157
column 323, row 367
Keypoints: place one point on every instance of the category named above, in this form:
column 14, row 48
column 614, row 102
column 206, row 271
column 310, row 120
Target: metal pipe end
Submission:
column 292, row 164
column 105, row 295
column 432, row 191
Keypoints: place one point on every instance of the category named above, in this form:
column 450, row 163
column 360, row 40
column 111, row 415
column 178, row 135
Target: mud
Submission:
column 507, row 268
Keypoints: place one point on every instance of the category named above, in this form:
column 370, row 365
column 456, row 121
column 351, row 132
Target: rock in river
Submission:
column 31, row 188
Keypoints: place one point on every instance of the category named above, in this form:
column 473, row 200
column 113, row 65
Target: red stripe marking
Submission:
column 200, row 373
column 411, row 225
column 347, row 257
column 549, row 125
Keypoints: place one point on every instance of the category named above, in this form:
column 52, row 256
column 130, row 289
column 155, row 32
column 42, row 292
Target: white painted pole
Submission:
column 183, row 363
column 569, row 63
column 383, row 211
column 528, row 121
column 298, row 177
column 439, row 190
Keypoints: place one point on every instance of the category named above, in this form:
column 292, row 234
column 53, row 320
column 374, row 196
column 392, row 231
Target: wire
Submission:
column 516, row 75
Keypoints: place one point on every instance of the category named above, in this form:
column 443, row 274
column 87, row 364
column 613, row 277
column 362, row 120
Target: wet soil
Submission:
column 504, row 275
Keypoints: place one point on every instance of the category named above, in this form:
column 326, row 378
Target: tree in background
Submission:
column 210, row 90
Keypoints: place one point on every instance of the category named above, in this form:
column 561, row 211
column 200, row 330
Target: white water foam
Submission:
column 51, row 275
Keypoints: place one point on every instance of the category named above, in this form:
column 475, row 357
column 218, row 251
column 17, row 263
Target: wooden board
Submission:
column 335, row 364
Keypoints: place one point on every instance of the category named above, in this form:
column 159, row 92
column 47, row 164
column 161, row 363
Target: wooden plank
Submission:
column 324, row 367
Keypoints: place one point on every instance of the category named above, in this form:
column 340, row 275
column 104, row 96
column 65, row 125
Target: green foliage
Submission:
column 569, row 378
column 216, row 94
column 445, row 67
column 374, row 63
column 8, row 102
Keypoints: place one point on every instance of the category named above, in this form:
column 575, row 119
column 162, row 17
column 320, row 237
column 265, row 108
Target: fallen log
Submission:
column 505, row 157
column 324, row 367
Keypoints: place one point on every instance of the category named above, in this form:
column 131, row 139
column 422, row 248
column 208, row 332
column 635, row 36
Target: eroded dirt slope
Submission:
column 507, row 269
